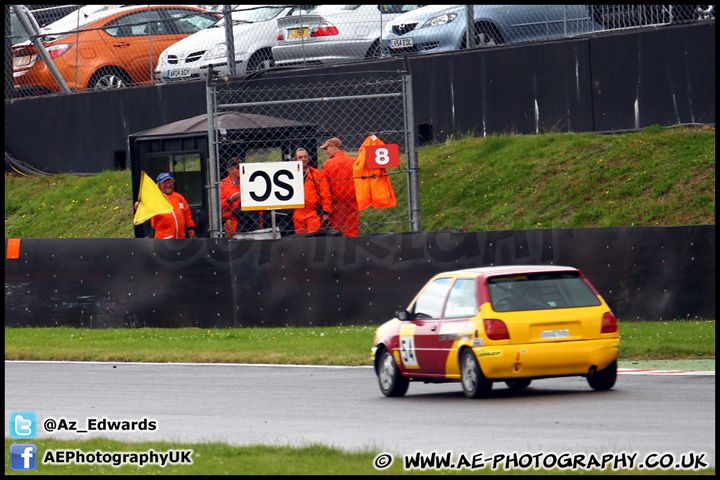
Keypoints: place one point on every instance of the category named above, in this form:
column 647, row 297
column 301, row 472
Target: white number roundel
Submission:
column 382, row 156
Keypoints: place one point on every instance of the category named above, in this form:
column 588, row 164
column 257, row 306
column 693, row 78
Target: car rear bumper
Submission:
column 320, row 52
column 551, row 359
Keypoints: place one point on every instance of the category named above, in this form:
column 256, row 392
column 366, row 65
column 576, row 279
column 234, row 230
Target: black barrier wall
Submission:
column 644, row 273
column 605, row 82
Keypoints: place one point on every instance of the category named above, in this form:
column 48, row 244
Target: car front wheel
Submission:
column 605, row 378
column 260, row 60
column 392, row 383
column 109, row 77
column 474, row 383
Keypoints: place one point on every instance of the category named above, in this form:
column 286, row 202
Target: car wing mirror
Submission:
column 402, row 315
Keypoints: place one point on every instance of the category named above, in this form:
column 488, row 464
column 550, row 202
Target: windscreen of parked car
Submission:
column 334, row 8
column 540, row 291
column 253, row 15
column 398, row 8
column 188, row 22
column 430, row 302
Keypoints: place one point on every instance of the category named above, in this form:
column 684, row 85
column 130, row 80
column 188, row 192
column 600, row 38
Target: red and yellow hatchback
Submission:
column 509, row 324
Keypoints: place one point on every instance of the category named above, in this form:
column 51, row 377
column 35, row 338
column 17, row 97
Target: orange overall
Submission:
column 317, row 195
column 345, row 215
column 173, row 224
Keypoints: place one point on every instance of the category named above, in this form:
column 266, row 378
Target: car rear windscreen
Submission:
column 540, row 291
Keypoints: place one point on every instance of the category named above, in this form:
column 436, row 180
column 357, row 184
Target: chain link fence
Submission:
column 97, row 47
column 329, row 126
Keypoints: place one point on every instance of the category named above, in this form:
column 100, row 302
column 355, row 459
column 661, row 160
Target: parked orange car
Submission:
column 108, row 49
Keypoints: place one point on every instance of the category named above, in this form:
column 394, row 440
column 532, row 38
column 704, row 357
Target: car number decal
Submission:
column 407, row 346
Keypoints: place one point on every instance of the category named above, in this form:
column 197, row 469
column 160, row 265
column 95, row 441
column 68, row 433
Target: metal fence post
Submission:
column 212, row 161
column 229, row 39
column 470, row 26
column 412, row 160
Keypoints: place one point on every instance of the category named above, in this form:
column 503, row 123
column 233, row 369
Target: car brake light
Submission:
column 324, row 30
column 279, row 36
column 496, row 329
column 609, row 323
column 57, row 50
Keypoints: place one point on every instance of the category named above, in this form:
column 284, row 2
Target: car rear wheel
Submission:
column 392, row 383
column 518, row 384
column 474, row 383
column 109, row 77
column 605, row 378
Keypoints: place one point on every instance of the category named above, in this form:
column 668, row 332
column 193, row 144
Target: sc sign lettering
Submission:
column 271, row 185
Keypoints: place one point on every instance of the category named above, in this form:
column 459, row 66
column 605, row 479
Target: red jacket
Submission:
column 339, row 170
column 173, row 224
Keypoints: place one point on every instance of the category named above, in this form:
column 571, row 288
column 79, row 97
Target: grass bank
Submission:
column 657, row 176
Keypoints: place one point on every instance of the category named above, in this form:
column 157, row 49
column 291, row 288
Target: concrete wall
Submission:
column 644, row 273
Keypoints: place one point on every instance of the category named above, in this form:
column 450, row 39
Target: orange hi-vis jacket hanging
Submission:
column 372, row 186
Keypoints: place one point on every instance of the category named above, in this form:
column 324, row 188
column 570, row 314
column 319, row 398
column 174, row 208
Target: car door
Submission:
column 461, row 306
column 541, row 22
column 418, row 338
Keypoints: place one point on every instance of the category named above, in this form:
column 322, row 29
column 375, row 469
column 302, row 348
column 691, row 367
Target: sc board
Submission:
column 269, row 185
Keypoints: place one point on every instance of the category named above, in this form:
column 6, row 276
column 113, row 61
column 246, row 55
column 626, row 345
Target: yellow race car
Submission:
column 509, row 324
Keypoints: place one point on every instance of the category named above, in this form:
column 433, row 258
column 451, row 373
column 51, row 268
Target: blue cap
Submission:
column 164, row 176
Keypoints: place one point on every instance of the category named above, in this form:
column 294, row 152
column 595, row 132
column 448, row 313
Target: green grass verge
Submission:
column 349, row 345
column 222, row 459
column 320, row 345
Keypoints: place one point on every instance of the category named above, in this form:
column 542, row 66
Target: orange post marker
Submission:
column 13, row 248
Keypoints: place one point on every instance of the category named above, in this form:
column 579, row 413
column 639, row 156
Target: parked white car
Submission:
column 333, row 34
column 254, row 29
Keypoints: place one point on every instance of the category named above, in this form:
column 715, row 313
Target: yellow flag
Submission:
column 151, row 201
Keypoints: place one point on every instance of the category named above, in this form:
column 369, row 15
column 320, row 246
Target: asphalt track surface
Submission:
column 343, row 407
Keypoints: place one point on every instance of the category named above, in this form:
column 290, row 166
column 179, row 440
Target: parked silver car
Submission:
column 333, row 34
column 254, row 35
column 441, row 28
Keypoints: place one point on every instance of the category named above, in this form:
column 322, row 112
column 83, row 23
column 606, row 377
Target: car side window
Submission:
column 135, row 24
column 462, row 301
column 430, row 302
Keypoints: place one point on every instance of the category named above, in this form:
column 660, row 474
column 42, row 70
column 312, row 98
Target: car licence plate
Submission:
column 297, row 33
column 401, row 42
column 563, row 333
column 178, row 73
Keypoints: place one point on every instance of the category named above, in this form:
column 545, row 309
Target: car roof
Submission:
column 68, row 23
column 496, row 270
